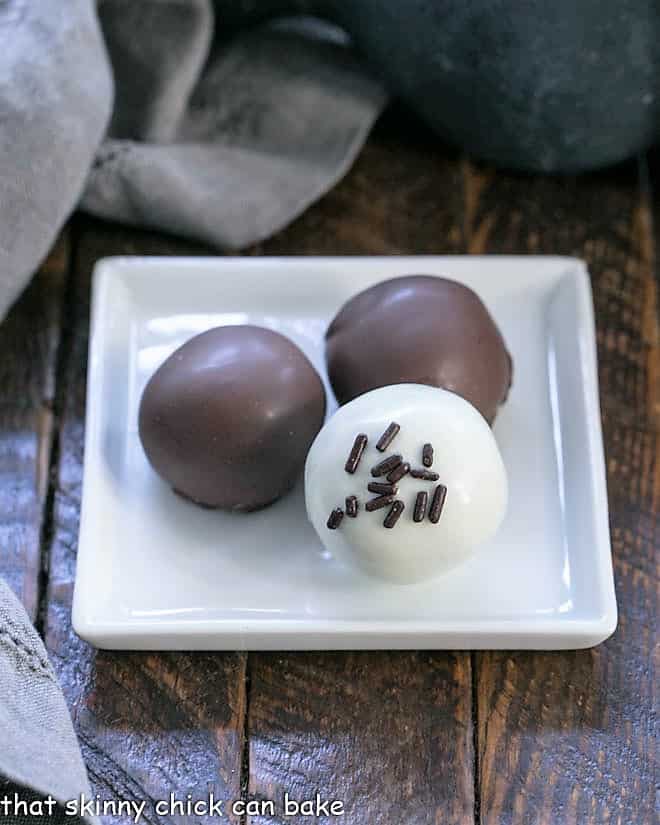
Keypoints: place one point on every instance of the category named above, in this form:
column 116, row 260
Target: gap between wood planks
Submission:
column 50, row 448
column 475, row 237
column 645, row 227
column 245, row 755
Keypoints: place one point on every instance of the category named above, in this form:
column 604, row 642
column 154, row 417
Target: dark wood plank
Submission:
column 388, row 734
column 149, row 724
column 29, row 338
column 568, row 737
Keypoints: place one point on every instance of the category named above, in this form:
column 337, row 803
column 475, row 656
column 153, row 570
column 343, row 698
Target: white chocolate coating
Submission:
column 466, row 457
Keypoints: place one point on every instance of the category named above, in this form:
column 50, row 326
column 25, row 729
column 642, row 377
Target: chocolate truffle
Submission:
column 228, row 418
column 419, row 329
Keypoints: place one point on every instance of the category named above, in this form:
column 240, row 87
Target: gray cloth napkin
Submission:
column 39, row 753
column 55, row 96
column 220, row 138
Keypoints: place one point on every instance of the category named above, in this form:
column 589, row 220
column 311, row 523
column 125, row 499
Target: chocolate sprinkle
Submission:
column 393, row 516
column 382, row 489
column 427, row 455
column 386, row 465
column 352, row 506
column 420, row 506
column 377, row 503
column 437, row 503
column 335, row 518
column 356, row 453
column 425, row 475
column 398, row 472
column 387, row 437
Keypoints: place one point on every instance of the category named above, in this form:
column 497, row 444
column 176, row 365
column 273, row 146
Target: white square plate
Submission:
column 154, row 571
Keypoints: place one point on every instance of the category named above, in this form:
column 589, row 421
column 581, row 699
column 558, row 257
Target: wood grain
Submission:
column 29, row 338
column 389, row 734
column 568, row 737
column 149, row 724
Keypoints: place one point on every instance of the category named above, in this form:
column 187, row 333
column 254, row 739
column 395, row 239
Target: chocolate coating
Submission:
column 419, row 329
column 227, row 420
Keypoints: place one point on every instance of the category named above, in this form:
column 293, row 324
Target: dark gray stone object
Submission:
column 558, row 86
column 536, row 85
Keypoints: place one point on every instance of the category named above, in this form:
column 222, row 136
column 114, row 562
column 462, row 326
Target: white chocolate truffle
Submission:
column 466, row 459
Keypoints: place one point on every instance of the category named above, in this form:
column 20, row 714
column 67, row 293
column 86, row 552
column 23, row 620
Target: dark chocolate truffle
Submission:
column 228, row 418
column 419, row 329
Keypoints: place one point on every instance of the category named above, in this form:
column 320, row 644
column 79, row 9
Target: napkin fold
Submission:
column 221, row 136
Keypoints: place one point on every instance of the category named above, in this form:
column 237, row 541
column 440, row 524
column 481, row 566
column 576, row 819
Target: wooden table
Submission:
column 402, row 738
